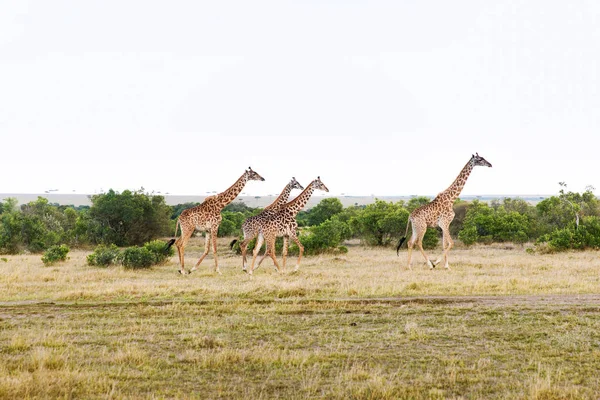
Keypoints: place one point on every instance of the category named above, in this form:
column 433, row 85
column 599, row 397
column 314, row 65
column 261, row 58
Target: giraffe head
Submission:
column 317, row 184
column 295, row 184
column 477, row 160
column 253, row 176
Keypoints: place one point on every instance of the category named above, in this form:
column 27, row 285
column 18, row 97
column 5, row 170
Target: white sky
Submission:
column 376, row 97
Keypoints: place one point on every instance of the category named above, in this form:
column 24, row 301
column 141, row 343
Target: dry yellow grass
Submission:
column 362, row 273
column 502, row 324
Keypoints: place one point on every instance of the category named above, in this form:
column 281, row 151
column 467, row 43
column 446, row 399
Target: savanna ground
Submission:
column 502, row 324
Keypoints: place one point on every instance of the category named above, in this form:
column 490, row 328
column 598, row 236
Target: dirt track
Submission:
column 590, row 300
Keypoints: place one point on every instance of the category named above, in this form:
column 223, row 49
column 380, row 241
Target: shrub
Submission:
column 327, row 236
column 231, row 224
column 55, row 254
column 128, row 218
column 104, row 256
column 137, row 258
column 381, row 223
column 159, row 251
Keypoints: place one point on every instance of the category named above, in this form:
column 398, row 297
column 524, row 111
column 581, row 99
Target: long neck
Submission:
column 457, row 186
column 282, row 199
column 230, row 194
column 299, row 202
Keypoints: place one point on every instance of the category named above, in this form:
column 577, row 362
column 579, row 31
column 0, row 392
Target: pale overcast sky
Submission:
column 376, row 97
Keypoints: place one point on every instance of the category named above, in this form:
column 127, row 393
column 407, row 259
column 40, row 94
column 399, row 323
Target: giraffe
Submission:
column 438, row 212
column 207, row 217
column 252, row 225
column 283, row 223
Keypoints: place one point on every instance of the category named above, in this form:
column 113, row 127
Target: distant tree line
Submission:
column 132, row 218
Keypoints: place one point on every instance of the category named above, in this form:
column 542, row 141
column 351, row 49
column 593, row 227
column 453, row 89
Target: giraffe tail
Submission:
column 169, row 244
column 172, row 241
column 233, row 242
column 403, row 238
column 400, row 244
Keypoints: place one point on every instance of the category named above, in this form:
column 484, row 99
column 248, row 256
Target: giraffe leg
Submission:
column 270, row 250
column 418, row 234
column 271, row 247
column 419, row 228
column 206, row 249
column 259, row 243
column 213, row 235
column 300, row 252
column 285, row 250
column 448, row 240
column 180, row 244
column 410, row 246
column 244, row 248
column 427, row 260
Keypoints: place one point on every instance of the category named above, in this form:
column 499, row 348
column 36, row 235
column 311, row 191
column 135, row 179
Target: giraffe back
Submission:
column 280, row 223
column 431, row 212
column 203, row 216
column 252, row 225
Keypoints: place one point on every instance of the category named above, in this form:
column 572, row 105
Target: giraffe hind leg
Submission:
column 206, row 250
column 259, row 243
column 244, row 248
column 180, row 244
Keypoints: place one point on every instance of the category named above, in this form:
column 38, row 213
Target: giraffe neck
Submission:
column 282, row 199
column 230, row 194
column 457, row 186
column 299, row 202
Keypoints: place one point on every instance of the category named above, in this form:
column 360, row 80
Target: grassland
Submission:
column 502, row 324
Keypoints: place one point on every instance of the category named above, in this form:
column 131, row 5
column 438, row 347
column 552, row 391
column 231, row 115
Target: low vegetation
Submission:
column 504, row 323
column 55, row 254
column 132, row 218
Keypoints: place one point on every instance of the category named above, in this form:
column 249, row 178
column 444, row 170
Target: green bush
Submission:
column 231, row 224
column 137, row 258
column 326, row 237
column 159, row 251
column 104, row 256
column 55, row 254
column 499, row 223
column 380, row 223
column 324, row 211
column 128, row 218
column 587, row 236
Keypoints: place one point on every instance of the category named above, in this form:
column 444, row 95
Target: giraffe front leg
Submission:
column 300, row 252
column 213, row 236
column 450, row 245
column 447, row 242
